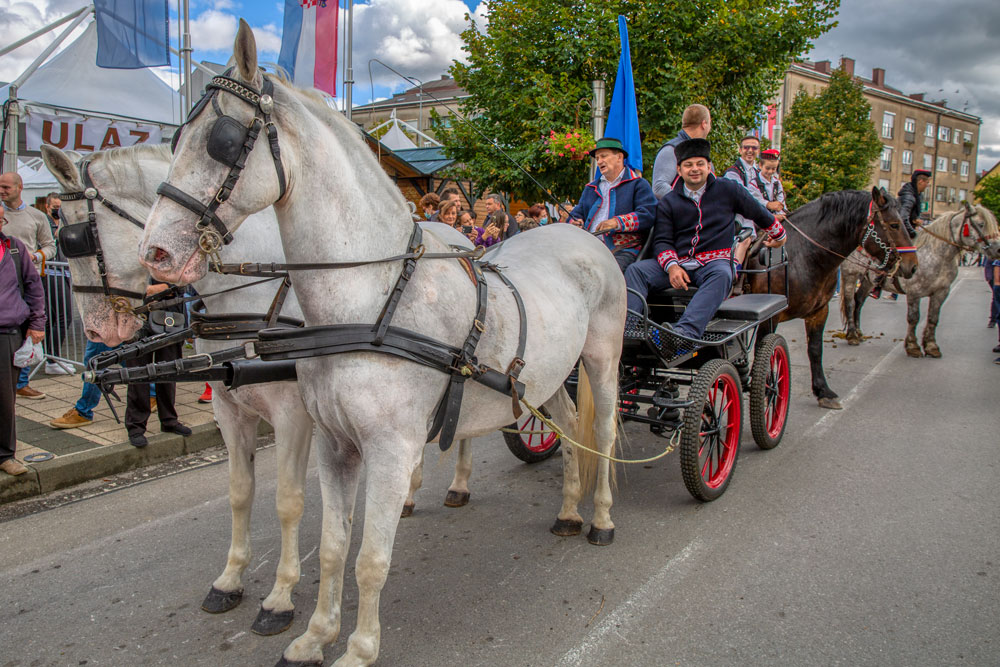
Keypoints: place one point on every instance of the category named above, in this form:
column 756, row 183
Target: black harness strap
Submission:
column 517, row 363
column 409, row 266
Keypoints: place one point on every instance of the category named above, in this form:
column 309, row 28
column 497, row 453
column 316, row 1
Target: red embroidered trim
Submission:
column 665, row 257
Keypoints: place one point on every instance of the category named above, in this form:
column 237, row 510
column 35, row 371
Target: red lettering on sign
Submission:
column 78, row 139
column 111, row 139
column 139, row 133
column 47, row 134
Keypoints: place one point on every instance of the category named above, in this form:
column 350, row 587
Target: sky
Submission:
column 946, row 50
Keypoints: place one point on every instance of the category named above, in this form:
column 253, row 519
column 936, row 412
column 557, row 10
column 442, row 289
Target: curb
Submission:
column 72, row 469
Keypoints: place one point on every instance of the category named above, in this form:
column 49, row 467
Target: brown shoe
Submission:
column 152, row 404
column 30, row 394
column 13, row 467
column 71, row 419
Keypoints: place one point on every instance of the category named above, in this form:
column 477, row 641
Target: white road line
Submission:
column 645, row 599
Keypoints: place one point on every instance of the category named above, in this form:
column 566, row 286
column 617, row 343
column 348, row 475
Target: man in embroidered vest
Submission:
column 620, row 202
column 693, row 239
column 696, row 123
column 768, row 182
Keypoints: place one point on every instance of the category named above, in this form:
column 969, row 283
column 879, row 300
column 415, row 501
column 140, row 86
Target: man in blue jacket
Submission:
column 620, row 202
column 693, row 238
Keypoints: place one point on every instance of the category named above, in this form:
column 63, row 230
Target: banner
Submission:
column 132, row 33
column 623, row 114
column 86, row 134
column 309, row 43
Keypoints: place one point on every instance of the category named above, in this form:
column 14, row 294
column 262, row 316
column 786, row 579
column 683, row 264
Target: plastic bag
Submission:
column 29, row 354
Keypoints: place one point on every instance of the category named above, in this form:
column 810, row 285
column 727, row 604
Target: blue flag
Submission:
column 623, row 114
column 132, row 33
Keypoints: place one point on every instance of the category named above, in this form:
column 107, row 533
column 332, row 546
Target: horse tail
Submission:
column 844, row 315
column 587, row 461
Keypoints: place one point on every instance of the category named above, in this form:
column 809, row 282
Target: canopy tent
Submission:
column 72, row 81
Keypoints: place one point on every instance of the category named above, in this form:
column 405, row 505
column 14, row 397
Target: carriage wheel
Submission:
column 710, row 439
column 770, row 389
column 534, row 441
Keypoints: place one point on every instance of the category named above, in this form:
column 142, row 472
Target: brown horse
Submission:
column 821, row 234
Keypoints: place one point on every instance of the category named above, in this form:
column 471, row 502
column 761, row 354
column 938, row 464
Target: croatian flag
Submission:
column 309, row 43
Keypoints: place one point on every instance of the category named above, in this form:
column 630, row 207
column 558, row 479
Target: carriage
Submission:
column 739, row 354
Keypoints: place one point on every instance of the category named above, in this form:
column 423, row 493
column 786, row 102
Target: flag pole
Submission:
column 186, row 56
column 348, row 66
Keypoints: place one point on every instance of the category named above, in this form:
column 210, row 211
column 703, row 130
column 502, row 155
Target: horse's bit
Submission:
column 888, row 252
column 230, row 143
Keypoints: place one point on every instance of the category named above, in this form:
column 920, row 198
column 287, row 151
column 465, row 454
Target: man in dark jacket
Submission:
column 620, row 202
column 693, row 238
column 22, row 313
column 910, row 201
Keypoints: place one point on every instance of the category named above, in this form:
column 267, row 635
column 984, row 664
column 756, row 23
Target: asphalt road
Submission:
column 868, row 537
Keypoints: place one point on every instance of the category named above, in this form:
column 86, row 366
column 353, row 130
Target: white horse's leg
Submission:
column 912, row 320
column 293, row 435
column 416, row 480
column 563, row 413
column 339, row 472
column 929, row 339
column 239, row 431
column 458, row 492
column 603, row 372
column 389, row 464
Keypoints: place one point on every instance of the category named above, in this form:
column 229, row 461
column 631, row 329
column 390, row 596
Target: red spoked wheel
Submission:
column 710, row 437
column 533, row 441
column 770, row 391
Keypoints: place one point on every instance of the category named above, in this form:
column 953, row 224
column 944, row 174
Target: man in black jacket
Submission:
column 693, row 238
column 910, row 201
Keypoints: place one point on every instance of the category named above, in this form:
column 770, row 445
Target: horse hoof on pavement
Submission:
column 854, row 340
column 217, row 602
column 602, row 537
column 830, row 403
column 932, row 351
column 456, row 499
column 566, row 527
column 270, row 622
column 407, row 510
column 295, row 663
column 913, row 351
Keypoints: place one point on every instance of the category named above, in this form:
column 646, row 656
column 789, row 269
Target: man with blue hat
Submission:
column 693, row 238
column 619, row 202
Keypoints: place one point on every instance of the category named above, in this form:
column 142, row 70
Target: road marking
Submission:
column 646, row 599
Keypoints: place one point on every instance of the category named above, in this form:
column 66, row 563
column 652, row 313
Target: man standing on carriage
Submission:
column 693, row 236
column 696, row 123
column 910, row 200
column 620, row 201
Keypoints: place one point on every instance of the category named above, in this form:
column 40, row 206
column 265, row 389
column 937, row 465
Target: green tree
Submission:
column 531, row 73
column 829, row 141
column 988, row 193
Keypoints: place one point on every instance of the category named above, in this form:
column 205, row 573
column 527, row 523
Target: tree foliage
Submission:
column 531, row 73
column 829, row 142
column 988, row 193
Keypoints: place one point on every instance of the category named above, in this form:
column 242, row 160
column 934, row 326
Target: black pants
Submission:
column 137, row 398
column 9, row 342
column 625, row 258
column 59, row 312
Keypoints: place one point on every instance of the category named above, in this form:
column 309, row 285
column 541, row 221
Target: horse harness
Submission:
column 968, row 221
column 230, row 143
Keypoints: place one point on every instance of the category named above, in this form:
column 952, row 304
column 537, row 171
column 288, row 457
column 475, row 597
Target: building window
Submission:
column 956, row 137
column 929, row 130
column 939, row 193
column 883, row 183
column 928, row 161
column 951, row 194
column 965, row 168
column 909, row 125
column 954, row 166
column 967, row 137
column 962, row 194
column 944, row 133
column 886, row 158
column 907, row 157
column 942, row 164
column 888, row 124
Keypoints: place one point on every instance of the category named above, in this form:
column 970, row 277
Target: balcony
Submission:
column 967, row 148
column 929, row 142
column 907, row 168
column 909, row 137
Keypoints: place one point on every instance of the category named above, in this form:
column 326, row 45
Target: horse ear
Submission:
column 877, row 196
column 245, row 54
column 63, row 166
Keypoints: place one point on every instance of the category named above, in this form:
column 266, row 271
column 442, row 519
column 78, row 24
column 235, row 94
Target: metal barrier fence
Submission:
column 65, row 342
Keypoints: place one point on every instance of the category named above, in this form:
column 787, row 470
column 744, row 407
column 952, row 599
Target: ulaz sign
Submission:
column 87, row 134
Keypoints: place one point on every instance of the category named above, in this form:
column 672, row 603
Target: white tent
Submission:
column 395, row 139
column 71, row 80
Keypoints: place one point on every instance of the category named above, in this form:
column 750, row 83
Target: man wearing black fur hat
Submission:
column 910, row 201
column 693, row 238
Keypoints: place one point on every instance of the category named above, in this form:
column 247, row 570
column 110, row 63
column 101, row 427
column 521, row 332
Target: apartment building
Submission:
column 915, row 133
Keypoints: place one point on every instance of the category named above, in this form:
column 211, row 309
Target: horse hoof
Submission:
column 295, row 663
column 830, row 404
column 932, row 352
column 407, row 510
column 456, row 499
column 602, row 537
column 270, row 622
column 217, row 602
column 853, row 341
column 566, row 528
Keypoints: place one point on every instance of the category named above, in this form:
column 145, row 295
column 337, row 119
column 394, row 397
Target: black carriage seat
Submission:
column 752, row 307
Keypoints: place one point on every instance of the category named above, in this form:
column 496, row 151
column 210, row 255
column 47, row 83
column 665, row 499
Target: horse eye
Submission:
column 894, row 225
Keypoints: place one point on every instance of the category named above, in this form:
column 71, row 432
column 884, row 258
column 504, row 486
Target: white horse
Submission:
column 128, row 178
column 940, row 245
column 373, row 408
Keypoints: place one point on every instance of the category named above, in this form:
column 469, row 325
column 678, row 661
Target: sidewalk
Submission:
column 59, row 458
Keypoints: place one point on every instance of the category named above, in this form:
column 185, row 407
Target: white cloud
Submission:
column 19, row 19
column 215, row 30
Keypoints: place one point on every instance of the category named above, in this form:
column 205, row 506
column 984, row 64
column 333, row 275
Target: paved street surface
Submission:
column 869, row 537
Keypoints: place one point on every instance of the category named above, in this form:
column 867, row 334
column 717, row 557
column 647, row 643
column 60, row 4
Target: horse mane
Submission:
column 941, row 224
column 122, row 165
column 836, row 212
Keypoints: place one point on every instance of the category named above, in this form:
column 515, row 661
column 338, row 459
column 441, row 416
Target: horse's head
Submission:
column 980, row 226
column 886, row 238
column 106, row 197
column 216, row 178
